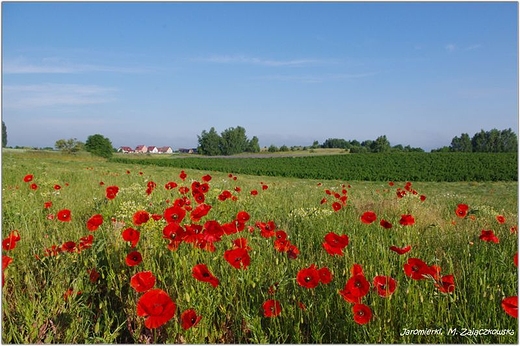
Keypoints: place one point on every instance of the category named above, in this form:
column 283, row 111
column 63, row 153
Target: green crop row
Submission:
column 370, row 167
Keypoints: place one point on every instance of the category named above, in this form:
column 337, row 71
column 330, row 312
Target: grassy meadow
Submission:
column 66, row 283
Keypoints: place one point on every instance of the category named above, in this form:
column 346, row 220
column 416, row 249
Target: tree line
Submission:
column 493, row 141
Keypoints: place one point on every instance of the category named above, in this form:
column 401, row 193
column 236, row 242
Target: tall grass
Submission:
column 35, row 308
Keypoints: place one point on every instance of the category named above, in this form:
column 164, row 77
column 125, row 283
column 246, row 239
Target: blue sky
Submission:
column 289, row 73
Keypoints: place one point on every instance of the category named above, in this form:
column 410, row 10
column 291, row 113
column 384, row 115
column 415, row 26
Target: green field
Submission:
column 51, row 296
column 328, row 164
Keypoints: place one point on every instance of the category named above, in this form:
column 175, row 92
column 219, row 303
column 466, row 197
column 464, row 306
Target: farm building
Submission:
column 141, row 149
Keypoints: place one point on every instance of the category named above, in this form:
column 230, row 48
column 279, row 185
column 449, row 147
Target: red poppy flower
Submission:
column 362, row 313
column 368, row 217
column 64, row 215
column 157, row 307
column 140, row 217
column 243, row 216
column 189, row 319
column 85, row 242
column 325, row 275
column 416, row 269
column 272, row 308
column 142, row 281
column 68, row 246
column 515, row 259
column 334, row 243
column 501, row 219
column 254, row 192
column 93, row 275
column 47, row 205
column 241, row 243
column 293, row 252
column 134, row 258
column 10, row 241
column 336, row 206
column 57, row 187
column 391, row 183
column 446, row 284
column 462, row 210
column 6, row 260
column 199, row 197
column 111, row 192
column 183, row 175
column 385, row 285
column 358, row 285
column 400, row 250
column 199, row 212
column 202, row 273
column 170, row 185
column 174, row 214
column 28, row 178
column 407, row 220
column 266, row 229
column 356, row 269
column 131, row 235
column 308, row 277
column 94, row 222
column 184, row 190
column 238, row 258
column 385, row 224
column 489, row 236
column 510, row 306
column 265, row 187
column 206, row 178
column 422, row 198
column 34, row 186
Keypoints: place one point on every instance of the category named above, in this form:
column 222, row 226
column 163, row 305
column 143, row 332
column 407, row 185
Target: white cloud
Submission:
column 242, row 59
column 450, row 47
column 53, row 65
column 50, row 95
column 318, row 78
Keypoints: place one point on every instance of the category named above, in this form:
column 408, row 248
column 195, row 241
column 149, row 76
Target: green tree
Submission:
column 509, row 141
column 284, row 148
column 4, row 135
column 234, row 141
column 99, row 146
column 69, row 146
column 253, row 146
column 272, row 148
column 461, row 144
column 380, row 145
column 210, row 143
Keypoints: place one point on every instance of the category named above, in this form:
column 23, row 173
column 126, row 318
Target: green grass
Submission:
column 34, row 309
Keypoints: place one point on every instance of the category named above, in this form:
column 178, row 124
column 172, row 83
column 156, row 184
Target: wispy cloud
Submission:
column 243, row 59
column 50, row 95
column 450, row 47
column 48, row 66
column 318, row 78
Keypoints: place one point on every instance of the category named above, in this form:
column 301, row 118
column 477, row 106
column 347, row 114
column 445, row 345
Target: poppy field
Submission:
column 106, row 252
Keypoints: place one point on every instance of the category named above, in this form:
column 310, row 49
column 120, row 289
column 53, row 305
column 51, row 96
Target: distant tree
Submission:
column 509, row 141
column 380, row 145
column 284, row 148
column 495, row 141
column 315, row 145
column 461, row 144
column 210, row 143
column 253, row 146
column 234, row 141
column 231, row 141
column 272, row 148
column 4, row 135
column 99, row 145
column 398, row 147
column 69, row 146
column 336, row 143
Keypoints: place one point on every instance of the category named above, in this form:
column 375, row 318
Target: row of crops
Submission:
column 369, row 167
